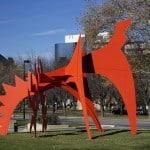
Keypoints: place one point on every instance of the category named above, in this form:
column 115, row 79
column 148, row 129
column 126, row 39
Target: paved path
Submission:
column 118, row 123
column 106, row 124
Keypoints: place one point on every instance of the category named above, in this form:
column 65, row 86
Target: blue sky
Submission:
column 28, row 26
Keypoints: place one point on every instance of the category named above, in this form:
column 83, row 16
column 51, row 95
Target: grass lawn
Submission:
column 76, row 140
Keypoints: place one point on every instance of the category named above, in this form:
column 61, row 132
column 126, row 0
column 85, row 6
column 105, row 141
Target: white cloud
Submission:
column 50, row 32
column 6, row 21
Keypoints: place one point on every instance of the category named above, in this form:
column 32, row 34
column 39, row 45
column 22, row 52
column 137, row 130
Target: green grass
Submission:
column 76, row 140
column 22, row 122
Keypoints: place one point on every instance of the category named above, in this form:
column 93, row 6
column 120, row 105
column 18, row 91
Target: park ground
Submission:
column 76, row 140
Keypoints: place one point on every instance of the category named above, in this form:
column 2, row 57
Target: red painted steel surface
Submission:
column 108, row 61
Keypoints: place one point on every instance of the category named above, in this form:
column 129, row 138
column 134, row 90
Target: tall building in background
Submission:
column 65, row 50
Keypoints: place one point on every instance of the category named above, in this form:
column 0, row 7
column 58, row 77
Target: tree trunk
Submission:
column 102, row 109
column 121, row 109
column 148, row 110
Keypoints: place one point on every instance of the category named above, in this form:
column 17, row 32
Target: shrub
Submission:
column 53, row 119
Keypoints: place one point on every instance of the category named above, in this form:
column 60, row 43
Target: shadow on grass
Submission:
column 79, row 132
column 142, row 131
column 111, row 133
column 57, row 133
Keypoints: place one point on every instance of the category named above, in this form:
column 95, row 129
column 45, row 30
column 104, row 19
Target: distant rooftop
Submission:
column 6, row 60
column 72, row 38
column 2, row 58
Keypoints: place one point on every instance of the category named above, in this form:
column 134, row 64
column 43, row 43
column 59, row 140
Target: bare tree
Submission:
column 97, row 90
column 143, row 90
column 8, row 70
column 99, row 18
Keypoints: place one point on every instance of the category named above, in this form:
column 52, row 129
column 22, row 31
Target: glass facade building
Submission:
column 64, row 50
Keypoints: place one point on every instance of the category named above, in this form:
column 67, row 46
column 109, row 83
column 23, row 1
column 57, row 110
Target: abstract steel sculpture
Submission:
column 108, row 61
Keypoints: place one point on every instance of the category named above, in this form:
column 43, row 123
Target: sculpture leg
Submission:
column 94, row 116
column 31, row 123
column 44, row 111
column 90, row 107
column 44, row 124
column 34, row 121
column 84, row 109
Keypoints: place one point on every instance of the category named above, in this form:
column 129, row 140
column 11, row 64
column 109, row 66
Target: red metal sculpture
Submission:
column 108, row 61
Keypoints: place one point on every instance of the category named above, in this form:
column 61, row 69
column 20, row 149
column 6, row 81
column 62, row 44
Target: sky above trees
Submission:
column 37, row 25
